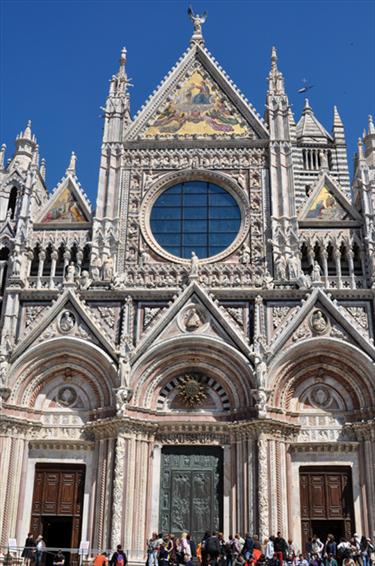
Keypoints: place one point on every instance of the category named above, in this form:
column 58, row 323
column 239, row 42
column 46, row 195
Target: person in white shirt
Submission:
column 269, row 548
column 40, row 551
column 317, row 546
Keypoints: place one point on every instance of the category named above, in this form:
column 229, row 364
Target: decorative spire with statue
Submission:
column 197, row 20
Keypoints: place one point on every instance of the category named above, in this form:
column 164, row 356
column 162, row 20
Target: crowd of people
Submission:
column 215, row 550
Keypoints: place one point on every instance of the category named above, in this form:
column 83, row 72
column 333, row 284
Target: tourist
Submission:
column 366, row 550
column 281, row 547
column 291, row 549
column 317, row 546
column 152, row 553
column 330, row 560
column 269, row 547
column 58, row 559
column 247, row 549
column 274, row 561
column 315, row 559
column 29, row 549
column 119, row 557
column 185, row 550
column 40, row 551
column 163, row 555
column 213, row 548
column 101, row 559
column 301, row 561
column 330, row 546
column 343, row 550
column 171, row 548
column 355, row 550
column 193, row 546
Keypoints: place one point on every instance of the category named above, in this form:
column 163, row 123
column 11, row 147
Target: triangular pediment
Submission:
column 318, row 318
column 67, row 317
column 6, row 232
column 327, row 205
column 194, row 315
column 197, row 100
column 68, row 206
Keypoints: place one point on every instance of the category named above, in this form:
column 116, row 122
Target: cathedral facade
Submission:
column 197, row 353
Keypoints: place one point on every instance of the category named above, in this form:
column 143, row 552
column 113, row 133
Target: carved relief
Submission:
column 192, row 318
column 318, row 322
column 66, row 322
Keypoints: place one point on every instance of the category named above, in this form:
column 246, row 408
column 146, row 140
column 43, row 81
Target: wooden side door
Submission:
column 58, row 492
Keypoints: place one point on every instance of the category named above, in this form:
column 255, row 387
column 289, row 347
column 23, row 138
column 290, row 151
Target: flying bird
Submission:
column 306, row 87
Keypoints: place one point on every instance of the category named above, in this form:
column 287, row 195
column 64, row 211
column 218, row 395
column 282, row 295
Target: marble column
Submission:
column 102, row 515
column 13, row 455
column 263, row 495
column 131, row 510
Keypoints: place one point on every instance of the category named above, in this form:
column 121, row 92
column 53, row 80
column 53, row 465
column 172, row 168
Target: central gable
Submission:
column 197, row 100
column 197, row 108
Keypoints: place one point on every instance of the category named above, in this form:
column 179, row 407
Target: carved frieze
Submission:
column 209, row 158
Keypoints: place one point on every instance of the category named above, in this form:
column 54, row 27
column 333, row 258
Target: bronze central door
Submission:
column 191, row 490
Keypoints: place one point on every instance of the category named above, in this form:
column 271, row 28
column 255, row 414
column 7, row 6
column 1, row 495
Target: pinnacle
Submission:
column 274, row 57
column 371, row 127
column 27, row 132
column 336, row 117
column 307, row 106
column 122, row 61
column 72, row 164
column 360, row 149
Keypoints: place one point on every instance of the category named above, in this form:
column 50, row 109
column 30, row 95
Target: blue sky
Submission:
column 57, row 58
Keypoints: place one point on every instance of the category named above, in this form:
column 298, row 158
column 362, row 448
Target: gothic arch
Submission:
column 41, row 367
column 169, row 359
column 341, row 368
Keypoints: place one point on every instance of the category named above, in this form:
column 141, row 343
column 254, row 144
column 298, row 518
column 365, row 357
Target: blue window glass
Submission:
column 195, row 216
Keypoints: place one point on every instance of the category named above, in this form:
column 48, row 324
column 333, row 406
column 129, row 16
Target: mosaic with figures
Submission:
column 197, row 108
column 326, row 207
column 65, row 209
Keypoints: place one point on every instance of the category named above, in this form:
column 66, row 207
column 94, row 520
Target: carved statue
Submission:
column 123, row 395
column 193, row 320
column 280, row 267
column 318, row 322
column 16, row 264
column 245, row 254
column 261, row 373
column 197, row 21
column 108, row 269
column 96, row 265
column 85, row 280
column 67, row 321
column 194, row 262
column 293, row 267
column 316, row 273
column 144, row 257
column 124, row 370
column 70, row 273
column 260, row 397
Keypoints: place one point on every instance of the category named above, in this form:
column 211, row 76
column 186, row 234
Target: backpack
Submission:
column 212, row 545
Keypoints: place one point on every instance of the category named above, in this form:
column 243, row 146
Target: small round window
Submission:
column 195, row 216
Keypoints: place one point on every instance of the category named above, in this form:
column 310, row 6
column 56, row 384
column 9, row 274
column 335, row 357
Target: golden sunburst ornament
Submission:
column 191, row 391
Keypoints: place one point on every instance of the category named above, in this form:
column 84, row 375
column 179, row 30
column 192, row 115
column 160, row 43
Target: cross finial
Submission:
column 198, row 21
